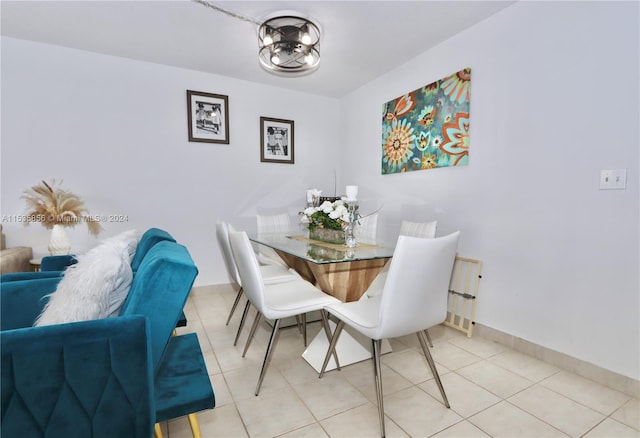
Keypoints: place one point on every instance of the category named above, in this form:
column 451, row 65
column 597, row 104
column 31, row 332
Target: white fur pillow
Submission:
column 96, row 286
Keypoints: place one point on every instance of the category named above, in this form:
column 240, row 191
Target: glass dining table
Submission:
column 342, row 272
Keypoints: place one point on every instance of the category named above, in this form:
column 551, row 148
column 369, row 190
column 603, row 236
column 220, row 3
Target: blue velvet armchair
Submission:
column 179, row 379
column 84, row 379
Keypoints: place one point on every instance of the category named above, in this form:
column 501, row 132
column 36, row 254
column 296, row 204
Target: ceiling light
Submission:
column 289, row 45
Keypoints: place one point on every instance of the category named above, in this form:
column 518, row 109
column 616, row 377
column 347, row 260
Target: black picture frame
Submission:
column 276, row 140
column 208, row 117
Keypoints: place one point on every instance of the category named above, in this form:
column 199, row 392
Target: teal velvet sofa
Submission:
column 54, row 266
column 55, row 376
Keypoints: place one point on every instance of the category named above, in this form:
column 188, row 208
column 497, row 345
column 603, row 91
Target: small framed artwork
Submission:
column 276, row 140
column 208, row 117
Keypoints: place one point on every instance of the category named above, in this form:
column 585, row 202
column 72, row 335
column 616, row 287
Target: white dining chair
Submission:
column 367, row 228
column 426, row 230
column 274, row 301
column 414, row 298
column 418, row 229
column 274, row 223
column 270, row 273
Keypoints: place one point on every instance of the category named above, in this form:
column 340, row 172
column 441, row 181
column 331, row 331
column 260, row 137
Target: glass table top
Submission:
column 320, row 252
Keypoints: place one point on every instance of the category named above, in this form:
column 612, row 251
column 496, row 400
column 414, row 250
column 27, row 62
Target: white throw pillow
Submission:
column 96, row 286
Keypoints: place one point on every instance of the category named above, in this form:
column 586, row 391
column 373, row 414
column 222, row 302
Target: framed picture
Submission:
column 208, row 117
column 276, row 140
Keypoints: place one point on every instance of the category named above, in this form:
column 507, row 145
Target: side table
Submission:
column 34, row 264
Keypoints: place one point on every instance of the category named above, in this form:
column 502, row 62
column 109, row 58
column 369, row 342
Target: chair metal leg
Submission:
column 327, row 332
column 252, row 332
column 157, row 431
column 377, row 344
column 432, row 365
column 303, row 317
column 332, row 347
column 426, row 333
column 195, row 426
column 244, row 318
column 299, row 323
column 267, row 357
column 235, row 304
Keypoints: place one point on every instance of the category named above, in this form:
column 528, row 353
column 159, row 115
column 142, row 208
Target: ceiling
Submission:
column 361, row 40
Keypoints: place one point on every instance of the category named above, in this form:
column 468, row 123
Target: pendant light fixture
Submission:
column 289, row 45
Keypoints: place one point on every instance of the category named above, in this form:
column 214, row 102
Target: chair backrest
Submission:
column 368, row 227
column 275, row 223
column 248, row 268
column 147, row 241
column 415, row 293
column 159, row 291
column 425, row 230
column 222, row 235
column 418, row 229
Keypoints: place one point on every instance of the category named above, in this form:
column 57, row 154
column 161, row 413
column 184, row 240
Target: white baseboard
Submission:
column 624, row 384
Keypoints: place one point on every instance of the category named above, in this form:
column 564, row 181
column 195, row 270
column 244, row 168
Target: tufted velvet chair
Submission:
column 158, row 292
column 84, row 379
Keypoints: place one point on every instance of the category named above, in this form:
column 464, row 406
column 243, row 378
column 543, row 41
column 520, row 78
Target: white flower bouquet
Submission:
column 328, row 215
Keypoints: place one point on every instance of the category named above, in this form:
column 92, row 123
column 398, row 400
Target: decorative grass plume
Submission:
column 50, row 205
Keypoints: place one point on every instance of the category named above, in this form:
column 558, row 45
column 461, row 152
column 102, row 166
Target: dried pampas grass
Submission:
column 49, row 204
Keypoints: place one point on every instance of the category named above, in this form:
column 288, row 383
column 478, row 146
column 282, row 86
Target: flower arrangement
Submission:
column 329, row 215
column 50, row 205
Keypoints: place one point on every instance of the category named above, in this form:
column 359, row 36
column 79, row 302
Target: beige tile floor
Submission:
column 493, row 391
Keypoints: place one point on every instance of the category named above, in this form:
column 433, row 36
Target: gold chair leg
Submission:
column 157, row 432
column 195, row 426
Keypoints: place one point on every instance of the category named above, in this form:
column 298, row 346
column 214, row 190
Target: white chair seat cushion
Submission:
column 294, row 298
column 362, row 315
column 277, row 274
column 377, row 285
column 268, row 256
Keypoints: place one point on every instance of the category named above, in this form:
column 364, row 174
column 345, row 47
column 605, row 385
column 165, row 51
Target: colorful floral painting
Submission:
column 428, row 127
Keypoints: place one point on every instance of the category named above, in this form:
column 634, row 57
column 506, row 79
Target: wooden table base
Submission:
column 346, row 281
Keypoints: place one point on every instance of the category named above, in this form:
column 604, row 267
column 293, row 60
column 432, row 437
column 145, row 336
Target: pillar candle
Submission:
column 352, row 192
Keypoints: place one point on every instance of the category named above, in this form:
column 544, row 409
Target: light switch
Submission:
column 613, row 179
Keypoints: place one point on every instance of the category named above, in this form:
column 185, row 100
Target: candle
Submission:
column 309, row 196
column 352, row 193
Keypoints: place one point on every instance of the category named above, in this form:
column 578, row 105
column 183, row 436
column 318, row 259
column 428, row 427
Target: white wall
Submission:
column 554, row 99
column 115, row 130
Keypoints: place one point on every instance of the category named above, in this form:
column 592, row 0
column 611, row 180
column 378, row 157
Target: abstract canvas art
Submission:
column 428, row 127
